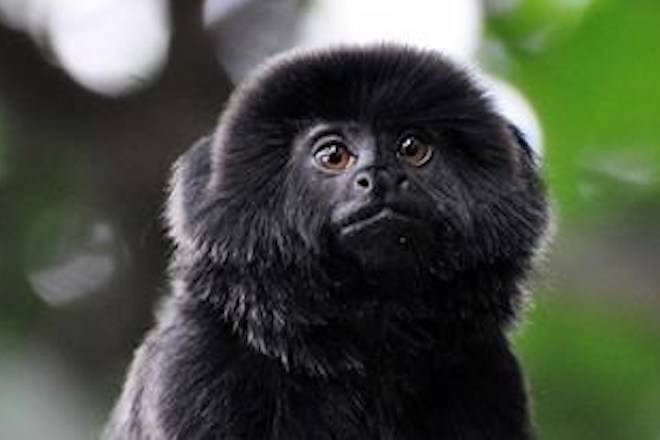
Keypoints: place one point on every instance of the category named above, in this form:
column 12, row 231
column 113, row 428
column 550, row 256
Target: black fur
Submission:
column 278, row 328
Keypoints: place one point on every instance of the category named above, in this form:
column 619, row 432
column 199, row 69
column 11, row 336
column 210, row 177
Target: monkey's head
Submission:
column 387, row 155
column 385, row 162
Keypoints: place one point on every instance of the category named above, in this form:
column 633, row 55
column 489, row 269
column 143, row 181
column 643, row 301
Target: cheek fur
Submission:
column 306, row 212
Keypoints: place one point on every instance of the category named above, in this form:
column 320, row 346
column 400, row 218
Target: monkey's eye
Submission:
column 333, row 155
column 414, row 151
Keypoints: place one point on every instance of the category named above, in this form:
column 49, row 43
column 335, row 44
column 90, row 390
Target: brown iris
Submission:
column 333, row 155
column 414, row 151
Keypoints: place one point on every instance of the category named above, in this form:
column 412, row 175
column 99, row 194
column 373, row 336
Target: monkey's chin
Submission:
column 386, row 240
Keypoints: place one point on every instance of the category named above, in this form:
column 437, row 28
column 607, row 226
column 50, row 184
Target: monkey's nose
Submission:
column 379, row 182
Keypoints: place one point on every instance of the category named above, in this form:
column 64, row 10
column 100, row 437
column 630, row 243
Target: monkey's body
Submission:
column 357, row 292
column 475, row 392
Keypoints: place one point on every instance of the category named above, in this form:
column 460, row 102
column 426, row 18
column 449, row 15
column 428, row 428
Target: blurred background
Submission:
column 98, row 97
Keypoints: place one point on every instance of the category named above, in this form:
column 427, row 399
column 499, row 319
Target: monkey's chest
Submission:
column 380, row 404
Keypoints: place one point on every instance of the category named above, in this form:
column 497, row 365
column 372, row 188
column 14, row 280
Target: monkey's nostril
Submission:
column 363, row 182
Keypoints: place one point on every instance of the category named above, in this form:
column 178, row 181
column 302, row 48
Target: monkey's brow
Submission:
column 319, row 128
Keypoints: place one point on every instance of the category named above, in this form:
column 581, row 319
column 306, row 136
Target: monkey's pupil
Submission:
column 335, row 155
column 410, row 147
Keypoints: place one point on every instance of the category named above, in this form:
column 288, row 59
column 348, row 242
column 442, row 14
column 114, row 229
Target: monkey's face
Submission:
column 371, row 188
column 407, row 198
column 387, row 157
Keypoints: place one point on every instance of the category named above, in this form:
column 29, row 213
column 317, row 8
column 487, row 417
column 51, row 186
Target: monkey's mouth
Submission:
column 376, row 218
column 378, row 221
column 385, row 238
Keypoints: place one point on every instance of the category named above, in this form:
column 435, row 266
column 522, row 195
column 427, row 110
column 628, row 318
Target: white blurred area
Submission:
column 454, row 27
column 248, row 31
column 82, row 261
column 511, row 104
column 111, row 47
column 41, row 398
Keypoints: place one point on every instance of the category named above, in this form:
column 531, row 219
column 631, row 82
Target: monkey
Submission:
column 351, row 247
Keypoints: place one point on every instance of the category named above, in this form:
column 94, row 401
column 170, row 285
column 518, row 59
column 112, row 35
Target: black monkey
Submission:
column 350, row 246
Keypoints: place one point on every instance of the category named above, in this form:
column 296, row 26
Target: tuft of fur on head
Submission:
column 254, row 241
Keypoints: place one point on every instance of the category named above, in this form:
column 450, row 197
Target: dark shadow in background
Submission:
column 91, row 163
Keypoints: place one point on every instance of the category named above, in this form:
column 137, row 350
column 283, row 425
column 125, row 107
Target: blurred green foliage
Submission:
column 591, row 71
column 594, row 84
column 593, row 369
